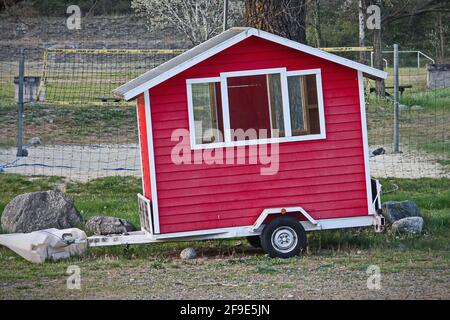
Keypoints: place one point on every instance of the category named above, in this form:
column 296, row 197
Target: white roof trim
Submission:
column 238, row 38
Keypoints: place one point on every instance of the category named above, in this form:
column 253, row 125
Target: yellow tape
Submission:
column 117, row 51
column 347, row 49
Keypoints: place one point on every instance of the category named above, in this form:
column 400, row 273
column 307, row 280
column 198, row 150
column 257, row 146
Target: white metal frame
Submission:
column 141, row 237
column 284, row 74
column 240, row 37
column 404, row 51
column 267, row 212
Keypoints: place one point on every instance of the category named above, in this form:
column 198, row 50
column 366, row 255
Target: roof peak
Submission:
column 219, row 43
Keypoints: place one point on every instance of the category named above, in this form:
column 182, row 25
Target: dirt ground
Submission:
column 252, row 276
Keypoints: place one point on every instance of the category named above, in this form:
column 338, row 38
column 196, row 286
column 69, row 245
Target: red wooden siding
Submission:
column 325, row 177
column 144, row 146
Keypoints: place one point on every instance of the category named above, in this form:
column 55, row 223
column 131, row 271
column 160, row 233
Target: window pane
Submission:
column 304, row 110
column 296, row 106
column 255, row 106
column 276, row 104
column 206, row 103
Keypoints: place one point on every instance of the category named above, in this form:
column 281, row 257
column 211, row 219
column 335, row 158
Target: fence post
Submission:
column 225, row 15
column 396, row 102
column 21, row 152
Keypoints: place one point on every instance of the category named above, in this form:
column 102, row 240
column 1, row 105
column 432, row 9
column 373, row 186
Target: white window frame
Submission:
column 285, row 101
column 189, row 84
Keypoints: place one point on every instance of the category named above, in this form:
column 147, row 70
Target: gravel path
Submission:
column 79, row 163
column 82, row 163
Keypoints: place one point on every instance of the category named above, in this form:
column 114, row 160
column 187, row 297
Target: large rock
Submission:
column 408, row 225
column 188, row 253
column 40, row 210
column 396, row 210
column 100, row 225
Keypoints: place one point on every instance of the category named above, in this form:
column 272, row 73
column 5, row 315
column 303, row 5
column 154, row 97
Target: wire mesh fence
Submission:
column 424, row 108
column 75, row 128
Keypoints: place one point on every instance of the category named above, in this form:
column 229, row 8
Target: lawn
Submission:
column 334, row 266
column 63, row 124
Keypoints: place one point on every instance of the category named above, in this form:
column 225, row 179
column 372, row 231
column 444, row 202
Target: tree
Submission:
column 198, row 20
column 362, row 10
column 314, row 7
column 286, row 18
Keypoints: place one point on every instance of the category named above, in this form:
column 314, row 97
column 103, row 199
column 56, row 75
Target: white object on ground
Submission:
column 39, row 246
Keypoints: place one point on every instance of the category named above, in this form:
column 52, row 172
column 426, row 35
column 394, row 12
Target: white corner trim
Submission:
column 151, row 157
column 365, row 143
column 269, row 211
column 238, row 38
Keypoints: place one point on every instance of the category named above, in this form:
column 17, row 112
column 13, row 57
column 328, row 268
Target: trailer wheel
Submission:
column 283, row 237
column 255, row 241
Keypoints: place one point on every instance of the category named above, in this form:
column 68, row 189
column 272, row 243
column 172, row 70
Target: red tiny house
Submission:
column 311, row 104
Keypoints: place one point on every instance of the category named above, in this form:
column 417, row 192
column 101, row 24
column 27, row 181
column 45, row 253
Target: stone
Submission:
column 416, row 108
column 101, row 225
column 409, row 225
column 188, row 253
column 34, row 141
column 40, row 210
column 396, row 210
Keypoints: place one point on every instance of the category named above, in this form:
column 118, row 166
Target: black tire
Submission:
column 255, row 241
column 288, row 235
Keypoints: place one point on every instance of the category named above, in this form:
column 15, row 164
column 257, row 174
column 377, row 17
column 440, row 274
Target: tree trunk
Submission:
column 286, row 18
column 362, row 31
column 317, row 32
column 378, row 60
column 441, row 56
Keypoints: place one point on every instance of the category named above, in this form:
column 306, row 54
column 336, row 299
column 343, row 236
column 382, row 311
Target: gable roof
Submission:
column 221, row 42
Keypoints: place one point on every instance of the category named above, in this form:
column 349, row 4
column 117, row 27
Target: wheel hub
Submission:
column 284, row 239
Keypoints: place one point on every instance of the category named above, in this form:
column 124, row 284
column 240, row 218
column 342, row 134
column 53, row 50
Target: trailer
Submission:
column 245, row 135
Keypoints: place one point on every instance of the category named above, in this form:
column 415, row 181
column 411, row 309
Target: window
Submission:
column 256, row 106
column 303, row 105
column 207, row 108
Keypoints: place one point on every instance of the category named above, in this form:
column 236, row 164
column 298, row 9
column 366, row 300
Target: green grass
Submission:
column 224, row 264
column 438, row 99
column 71, row 124
column 116, row 196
